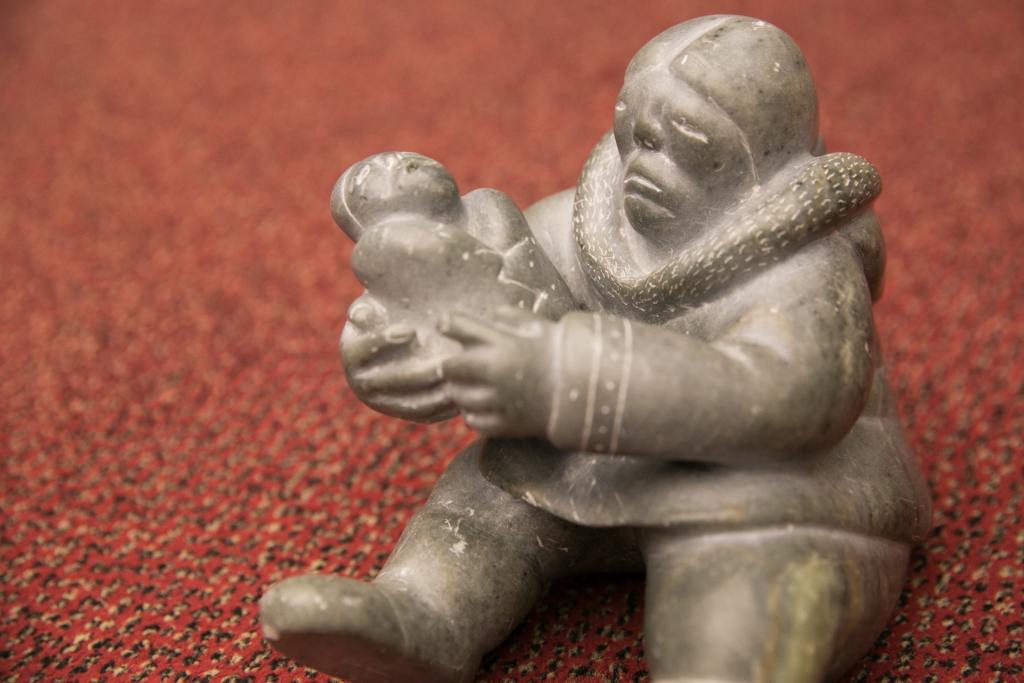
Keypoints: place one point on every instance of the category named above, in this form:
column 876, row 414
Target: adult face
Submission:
column 684, row 159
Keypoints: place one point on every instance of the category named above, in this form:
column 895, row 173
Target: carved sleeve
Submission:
column 789, row 375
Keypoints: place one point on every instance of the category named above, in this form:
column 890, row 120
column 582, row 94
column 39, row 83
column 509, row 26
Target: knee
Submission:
column 745, row 608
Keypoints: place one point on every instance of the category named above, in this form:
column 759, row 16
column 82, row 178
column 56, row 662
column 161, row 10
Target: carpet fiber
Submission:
column 175, row 428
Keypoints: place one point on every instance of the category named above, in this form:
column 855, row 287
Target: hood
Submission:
column 804, row 202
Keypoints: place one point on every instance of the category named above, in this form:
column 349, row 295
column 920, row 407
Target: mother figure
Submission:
column 714, row 410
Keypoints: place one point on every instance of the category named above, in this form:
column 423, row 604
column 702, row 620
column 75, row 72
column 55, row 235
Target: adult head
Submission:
column 709, row 109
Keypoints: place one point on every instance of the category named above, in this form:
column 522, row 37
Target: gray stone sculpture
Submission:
column 674, row 367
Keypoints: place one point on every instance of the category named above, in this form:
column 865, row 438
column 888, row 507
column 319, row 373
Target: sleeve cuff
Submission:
column 593, row 356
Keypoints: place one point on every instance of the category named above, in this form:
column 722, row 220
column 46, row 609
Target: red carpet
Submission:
column 176, row 428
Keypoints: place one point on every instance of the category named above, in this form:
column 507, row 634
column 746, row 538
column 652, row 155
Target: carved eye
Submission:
column 620, row 106
column 689, row 131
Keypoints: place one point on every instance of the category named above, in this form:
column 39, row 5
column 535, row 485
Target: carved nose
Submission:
column 646, row 141
column 647, row 134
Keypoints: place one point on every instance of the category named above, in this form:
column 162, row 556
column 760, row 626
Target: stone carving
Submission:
column 673, row 367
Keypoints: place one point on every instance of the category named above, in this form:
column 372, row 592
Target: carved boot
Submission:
column 363, row 632
column 468, row 568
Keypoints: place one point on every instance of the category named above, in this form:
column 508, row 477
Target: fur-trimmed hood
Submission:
column 801, row 204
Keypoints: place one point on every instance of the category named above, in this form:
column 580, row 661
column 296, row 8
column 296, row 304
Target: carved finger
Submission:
column 469, row 368
column 360, row 348
column 401, row 377
column 362, row 315
column 425, row 406
column 487, row 423
column 468, row 330
column 365, row 313
column 474, row 399
column 399, row 334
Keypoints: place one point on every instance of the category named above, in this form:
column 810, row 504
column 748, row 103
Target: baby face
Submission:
column 683, row 158
column 392, row 184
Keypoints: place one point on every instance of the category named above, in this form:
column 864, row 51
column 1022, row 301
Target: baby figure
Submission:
column 424, row 253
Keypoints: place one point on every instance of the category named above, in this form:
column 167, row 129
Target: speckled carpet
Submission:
column 175, row 428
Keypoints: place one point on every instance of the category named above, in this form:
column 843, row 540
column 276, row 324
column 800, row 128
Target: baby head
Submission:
column 709, row 109
column 394, row 185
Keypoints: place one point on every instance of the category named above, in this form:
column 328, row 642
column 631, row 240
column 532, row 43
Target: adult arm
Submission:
column 790, row 373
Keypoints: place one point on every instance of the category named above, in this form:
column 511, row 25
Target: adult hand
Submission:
column 502, row 378
column 383, row 371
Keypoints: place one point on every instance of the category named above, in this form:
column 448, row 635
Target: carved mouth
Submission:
column 644, row 194
column 646, row 206
column 636, row 183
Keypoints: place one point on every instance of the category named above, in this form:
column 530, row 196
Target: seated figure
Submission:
column 711, row 407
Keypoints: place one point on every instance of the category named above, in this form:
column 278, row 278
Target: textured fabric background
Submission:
column 176, row 428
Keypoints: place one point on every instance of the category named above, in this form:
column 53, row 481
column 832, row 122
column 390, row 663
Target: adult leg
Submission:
column 467, row 569
column 781, row 605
